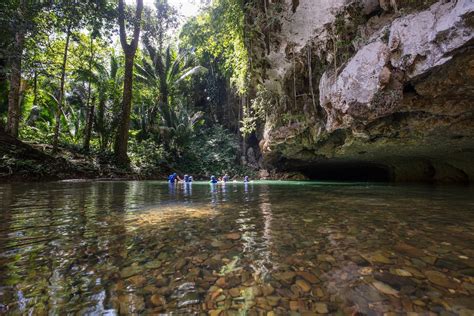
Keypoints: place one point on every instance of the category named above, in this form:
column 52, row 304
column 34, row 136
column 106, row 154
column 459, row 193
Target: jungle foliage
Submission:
column 63, row 65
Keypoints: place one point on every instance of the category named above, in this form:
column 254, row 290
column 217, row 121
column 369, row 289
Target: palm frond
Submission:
column 193, row 71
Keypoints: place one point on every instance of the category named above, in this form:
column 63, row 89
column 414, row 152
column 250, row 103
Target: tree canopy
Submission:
column 86, row 75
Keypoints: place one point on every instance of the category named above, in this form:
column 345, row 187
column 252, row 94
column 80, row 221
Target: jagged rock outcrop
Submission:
column 397, row 101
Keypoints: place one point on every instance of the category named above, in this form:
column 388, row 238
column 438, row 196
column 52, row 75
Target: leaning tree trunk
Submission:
column 61, row 93
column 14, row 110
column 121, row 141
column 90, row 105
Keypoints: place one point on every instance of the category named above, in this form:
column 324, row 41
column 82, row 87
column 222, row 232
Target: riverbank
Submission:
column 35, row 162
column 20, row 161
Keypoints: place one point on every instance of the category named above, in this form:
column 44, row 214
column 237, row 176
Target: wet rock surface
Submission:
column 260, row 249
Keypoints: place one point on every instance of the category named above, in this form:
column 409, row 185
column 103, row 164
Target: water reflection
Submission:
column 213, row 192
column 172, row 189
column 134, row 247
column 224, row 191
column 188, row 189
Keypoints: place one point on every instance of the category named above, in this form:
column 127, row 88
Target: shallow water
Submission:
column 261, row 248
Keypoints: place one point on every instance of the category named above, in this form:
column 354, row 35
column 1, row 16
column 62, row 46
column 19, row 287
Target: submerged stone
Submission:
column 137, row 280
column 157, row 300
column 294, row 305
column 131, row 303
column 233, row 236
column 376, row 257
column 327, row 258
column 267, row 289
column 385, row 288
column 273, row 300
column 416, row 273
column 394, row 281
column 285, row 276
column 311, row 278
column 155, row 264
column 440, row 279
column 409, row 250
column 303, row 285
column 366, row 271
column 234, row 292
column 450, row 264
column 130, row 271
column 321, row 308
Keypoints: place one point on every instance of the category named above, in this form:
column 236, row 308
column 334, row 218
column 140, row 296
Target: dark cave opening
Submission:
column 353, row 171
column 409, row 88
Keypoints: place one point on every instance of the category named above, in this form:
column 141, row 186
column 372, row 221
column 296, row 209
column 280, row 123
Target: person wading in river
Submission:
column 173, row 178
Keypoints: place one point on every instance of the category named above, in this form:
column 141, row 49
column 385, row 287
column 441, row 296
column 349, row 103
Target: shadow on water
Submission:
column 133, row 247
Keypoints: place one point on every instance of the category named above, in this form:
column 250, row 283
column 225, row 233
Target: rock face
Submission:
column 382, row 90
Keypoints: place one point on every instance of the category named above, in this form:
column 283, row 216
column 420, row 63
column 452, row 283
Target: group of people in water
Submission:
column 174, row 178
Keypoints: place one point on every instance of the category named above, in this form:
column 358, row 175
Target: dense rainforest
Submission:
column 349, row 90
column 104, row 88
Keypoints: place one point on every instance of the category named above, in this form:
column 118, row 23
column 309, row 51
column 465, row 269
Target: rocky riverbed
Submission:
column 258, row 250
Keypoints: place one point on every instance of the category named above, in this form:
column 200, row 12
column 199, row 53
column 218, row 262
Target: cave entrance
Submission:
column 348, row 171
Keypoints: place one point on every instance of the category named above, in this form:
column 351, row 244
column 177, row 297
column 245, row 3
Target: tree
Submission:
column 108, row 85
column 13, row 118
column 158, row 23
column 20, row 24
column 121, row 141
column 74, row 15
column 90, row 101
column 61, row 90
column 163, row 72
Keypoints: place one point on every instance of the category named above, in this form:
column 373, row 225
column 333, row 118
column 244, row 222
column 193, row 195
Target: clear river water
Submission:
column 263, row 248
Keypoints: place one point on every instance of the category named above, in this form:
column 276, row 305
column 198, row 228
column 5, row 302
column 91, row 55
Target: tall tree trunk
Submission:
column 3, row 87
column 14, row 110
column 90, row 105
column 35, row 111
column 121, row 141
column 100, row 128
column 61, row 92
column 89, row 124
column 35, row 87
column 165, row 104
column 152, row 119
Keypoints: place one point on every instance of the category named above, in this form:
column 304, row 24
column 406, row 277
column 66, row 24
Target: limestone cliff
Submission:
column 381, row 86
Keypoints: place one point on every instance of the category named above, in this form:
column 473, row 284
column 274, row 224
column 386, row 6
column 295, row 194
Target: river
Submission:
column 261, row 248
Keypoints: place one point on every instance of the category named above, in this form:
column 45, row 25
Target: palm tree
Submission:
column 181, row 128
column 107, row 83
column 163, row 71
